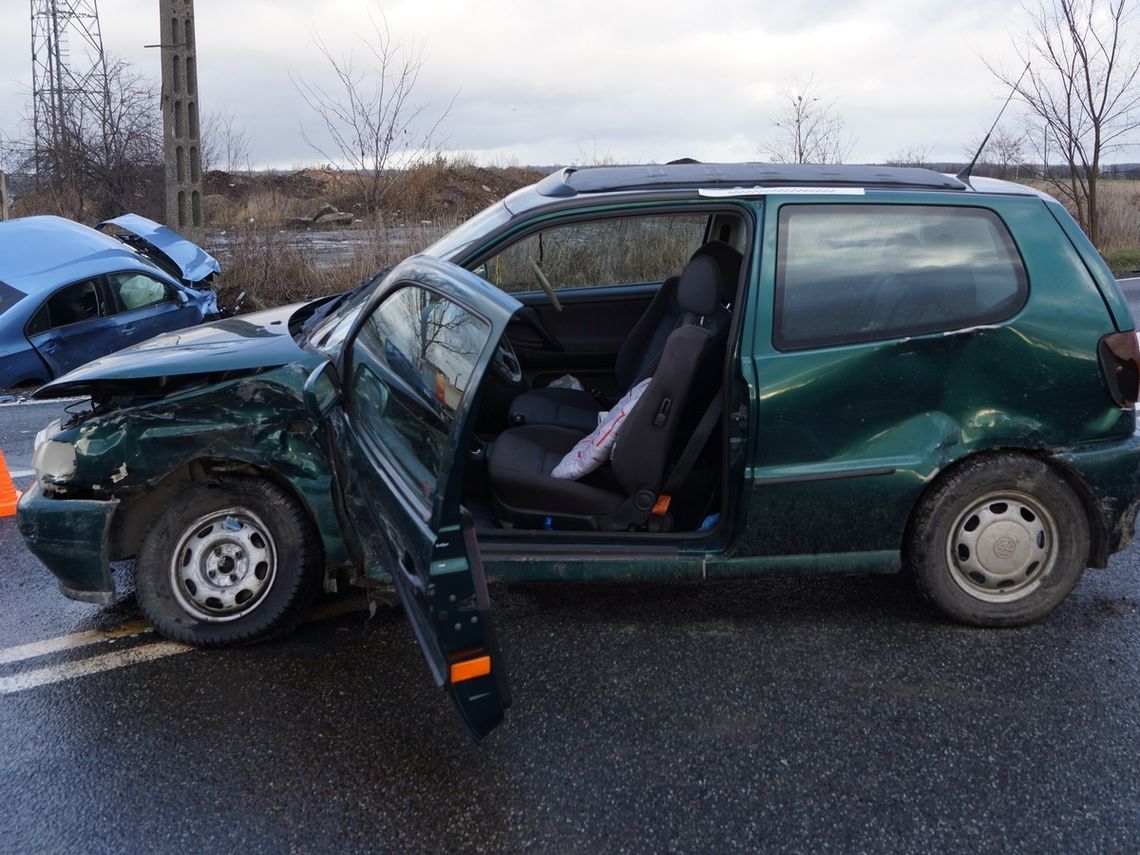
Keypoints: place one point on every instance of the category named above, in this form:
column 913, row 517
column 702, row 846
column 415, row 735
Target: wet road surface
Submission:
column 791, row 714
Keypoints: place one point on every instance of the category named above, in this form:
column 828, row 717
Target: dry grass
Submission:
column 273, row 268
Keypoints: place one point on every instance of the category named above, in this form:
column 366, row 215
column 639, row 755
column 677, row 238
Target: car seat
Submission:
column 622, row 494
column 641, row 351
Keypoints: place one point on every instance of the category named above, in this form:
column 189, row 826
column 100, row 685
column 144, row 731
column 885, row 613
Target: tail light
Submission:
column 1120, row 364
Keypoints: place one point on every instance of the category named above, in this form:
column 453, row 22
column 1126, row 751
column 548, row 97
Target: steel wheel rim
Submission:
column 1002, row 547
column 223, row 565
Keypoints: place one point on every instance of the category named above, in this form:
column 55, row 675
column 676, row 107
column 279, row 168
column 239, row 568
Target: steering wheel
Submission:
column 506, row 363
column 546, row 286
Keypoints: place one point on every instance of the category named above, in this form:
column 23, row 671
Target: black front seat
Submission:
column 640, row 351
column 622, row 493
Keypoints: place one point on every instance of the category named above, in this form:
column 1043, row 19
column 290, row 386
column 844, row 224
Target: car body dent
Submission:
column 246, row 424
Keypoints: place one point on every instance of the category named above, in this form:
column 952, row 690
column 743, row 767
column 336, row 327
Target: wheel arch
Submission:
column 133, row 518
column 1098, row 531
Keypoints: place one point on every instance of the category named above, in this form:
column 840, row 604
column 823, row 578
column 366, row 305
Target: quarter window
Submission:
column 851, row 273
column 413, row 361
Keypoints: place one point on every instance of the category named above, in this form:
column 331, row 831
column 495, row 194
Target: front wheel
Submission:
column 227, row 563
column 1001, row 541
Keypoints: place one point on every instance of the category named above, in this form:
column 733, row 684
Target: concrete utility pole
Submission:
column 183, row 143
column 3, row 196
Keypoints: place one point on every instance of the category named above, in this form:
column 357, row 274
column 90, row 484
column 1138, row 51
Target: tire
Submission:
column 229, row 562
column 1000, row 541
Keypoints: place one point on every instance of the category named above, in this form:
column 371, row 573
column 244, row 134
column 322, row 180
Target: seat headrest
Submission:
column 729, row 260
column 699, row 289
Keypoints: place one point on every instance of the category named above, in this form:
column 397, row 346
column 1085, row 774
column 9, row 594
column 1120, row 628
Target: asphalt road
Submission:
column 790, row 713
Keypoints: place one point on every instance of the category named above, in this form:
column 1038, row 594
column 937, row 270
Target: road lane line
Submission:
column 93, row 665
column 69, row 642
column 34, row 649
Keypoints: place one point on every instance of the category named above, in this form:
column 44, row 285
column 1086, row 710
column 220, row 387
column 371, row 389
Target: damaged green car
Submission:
column 824, row 369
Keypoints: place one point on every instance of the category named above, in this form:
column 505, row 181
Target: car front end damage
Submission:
column 105, row 471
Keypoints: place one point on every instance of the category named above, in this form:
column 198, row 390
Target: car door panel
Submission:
column 410, row 373
column 81, row 328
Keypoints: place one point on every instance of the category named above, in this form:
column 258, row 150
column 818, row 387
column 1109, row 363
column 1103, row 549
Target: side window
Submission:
column 136, row 290
column 851, row 273
column 612, row 251
column 80, row 301
column 412, row 362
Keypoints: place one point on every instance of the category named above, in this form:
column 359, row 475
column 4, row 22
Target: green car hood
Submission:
column 251, row 342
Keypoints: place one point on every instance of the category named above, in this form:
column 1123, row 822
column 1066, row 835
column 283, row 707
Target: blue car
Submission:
column 70, row 294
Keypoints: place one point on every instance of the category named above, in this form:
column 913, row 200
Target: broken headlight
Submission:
column 53, row 460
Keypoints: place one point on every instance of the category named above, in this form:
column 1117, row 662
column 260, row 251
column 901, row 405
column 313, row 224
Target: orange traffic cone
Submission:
column 9, row 495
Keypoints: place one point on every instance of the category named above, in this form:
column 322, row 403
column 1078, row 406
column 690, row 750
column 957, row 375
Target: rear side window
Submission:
column 852, row 273
column 80, row 301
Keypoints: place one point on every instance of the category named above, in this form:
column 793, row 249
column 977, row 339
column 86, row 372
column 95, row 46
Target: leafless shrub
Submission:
column 225, row 143
column 274, row 266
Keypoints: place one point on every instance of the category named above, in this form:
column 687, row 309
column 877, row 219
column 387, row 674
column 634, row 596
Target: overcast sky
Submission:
column 544, row 83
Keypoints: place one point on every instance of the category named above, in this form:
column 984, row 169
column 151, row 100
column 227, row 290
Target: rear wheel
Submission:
column 228, row 563
column 999, row 542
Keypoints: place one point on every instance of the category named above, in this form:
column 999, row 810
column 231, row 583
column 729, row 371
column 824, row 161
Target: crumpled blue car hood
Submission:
column 194, row 262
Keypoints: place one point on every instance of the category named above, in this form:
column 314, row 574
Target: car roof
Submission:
column 41, row 253
column 572, row 181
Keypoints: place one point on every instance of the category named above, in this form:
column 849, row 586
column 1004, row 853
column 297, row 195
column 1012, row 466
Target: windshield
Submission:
column 448, row 246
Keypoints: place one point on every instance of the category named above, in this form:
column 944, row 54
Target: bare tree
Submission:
column 109, row 158
column 225, row 143
column 121, row 153
column 915, row 155
column 372, row 123
column 1081, row 92
column 1004, row 152
column 808, row 128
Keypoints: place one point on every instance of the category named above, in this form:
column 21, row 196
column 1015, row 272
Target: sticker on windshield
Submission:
column 722, row 192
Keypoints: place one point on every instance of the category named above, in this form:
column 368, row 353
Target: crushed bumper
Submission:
column 70, row 537
column 1112, row 471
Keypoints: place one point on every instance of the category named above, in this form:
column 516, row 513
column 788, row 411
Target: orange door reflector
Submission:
column 470, row 669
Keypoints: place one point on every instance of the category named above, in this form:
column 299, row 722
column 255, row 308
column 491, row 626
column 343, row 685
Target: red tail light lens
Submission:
column 1120, row 364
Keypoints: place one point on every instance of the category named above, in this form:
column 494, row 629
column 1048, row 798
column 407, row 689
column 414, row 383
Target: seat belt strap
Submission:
column 695, row 445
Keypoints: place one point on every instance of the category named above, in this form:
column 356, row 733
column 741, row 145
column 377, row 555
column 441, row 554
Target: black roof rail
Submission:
column 569, row 181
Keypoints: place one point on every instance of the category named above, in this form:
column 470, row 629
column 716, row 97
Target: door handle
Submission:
column 129, row 329
column 410, row 574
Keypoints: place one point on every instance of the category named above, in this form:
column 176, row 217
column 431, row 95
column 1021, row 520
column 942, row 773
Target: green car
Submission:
column 691, row 371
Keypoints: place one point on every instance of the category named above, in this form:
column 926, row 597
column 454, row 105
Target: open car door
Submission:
column 409, row 373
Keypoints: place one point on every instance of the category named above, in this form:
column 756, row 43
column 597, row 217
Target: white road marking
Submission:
column 70, row 642
column 148, row 652
column 21, row 473
column 93, row 665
